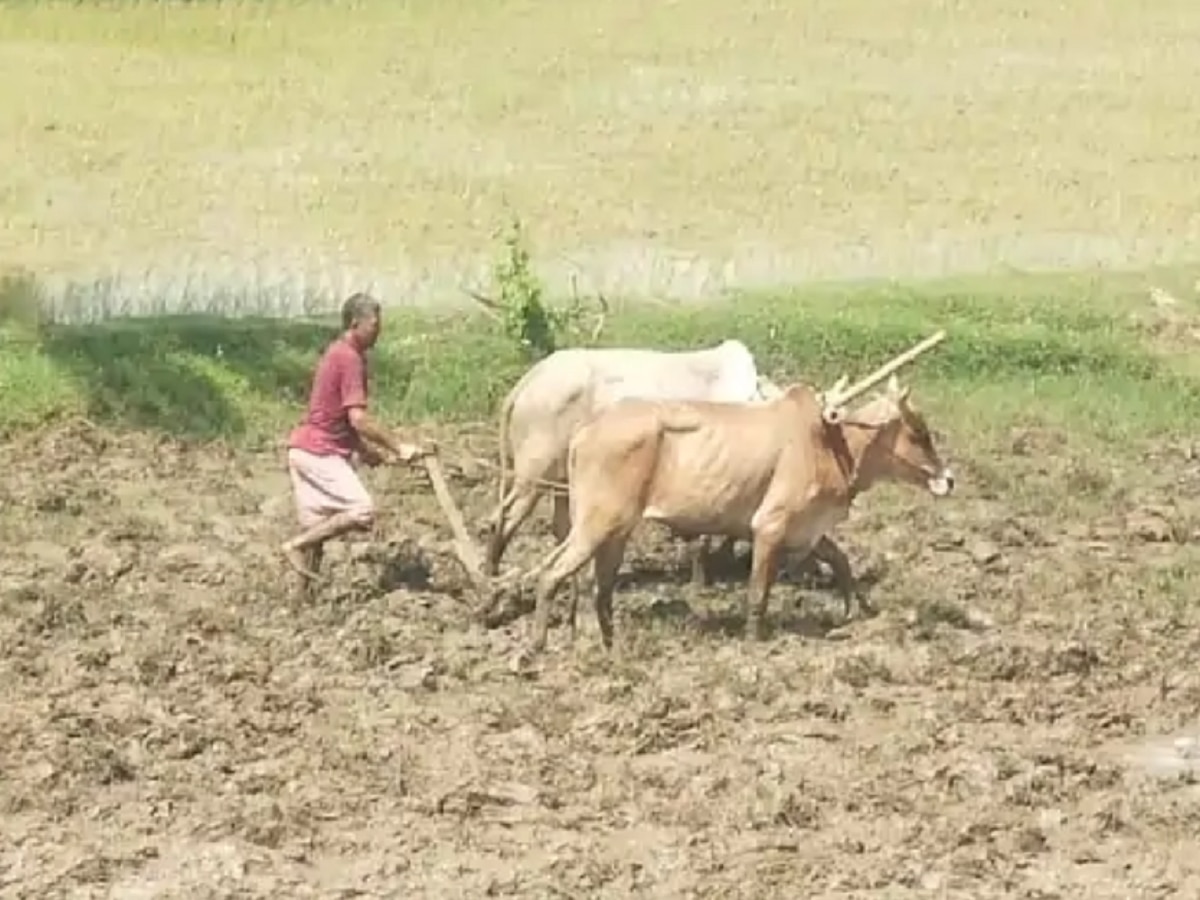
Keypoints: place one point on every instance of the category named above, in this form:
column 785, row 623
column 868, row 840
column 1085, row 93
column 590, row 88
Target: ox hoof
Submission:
column 756, row 630
column 859, row 608
column 521, row 663
column 506, row 604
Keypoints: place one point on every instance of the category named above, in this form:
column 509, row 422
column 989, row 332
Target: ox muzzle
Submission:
column 942, row 483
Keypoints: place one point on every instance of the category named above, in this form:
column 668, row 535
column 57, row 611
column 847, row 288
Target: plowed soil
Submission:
column 177, row 724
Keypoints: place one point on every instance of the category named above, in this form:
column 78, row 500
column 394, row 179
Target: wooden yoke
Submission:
column 834, row 399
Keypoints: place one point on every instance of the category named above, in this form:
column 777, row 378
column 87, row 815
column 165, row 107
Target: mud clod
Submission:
column 1013, row 722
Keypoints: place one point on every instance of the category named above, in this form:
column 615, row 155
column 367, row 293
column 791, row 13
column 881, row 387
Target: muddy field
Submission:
column 176, row 725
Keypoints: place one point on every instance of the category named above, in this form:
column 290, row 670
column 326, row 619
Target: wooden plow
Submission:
column 465, row 549
column 489, row 592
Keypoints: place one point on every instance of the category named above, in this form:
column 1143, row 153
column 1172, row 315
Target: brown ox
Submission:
column 558, row 394
column 561, row 392
column 780, row 474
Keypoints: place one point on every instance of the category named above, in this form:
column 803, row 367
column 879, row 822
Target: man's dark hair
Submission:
column 357, row 307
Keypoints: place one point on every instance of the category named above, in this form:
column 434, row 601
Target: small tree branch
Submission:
column 490, row 306
column 601, row 319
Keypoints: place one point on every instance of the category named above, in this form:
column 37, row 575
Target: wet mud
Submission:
column 178, row 723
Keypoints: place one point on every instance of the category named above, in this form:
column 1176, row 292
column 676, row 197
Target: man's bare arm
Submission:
column 370, row 430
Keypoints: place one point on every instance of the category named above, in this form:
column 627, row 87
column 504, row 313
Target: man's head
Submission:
column 361, row 319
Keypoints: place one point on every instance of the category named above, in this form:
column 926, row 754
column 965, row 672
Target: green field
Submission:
column 675, row 149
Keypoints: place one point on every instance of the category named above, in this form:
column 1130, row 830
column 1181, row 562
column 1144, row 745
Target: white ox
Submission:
column 565, row 390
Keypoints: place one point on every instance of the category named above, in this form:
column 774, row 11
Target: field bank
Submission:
column 1094, row 353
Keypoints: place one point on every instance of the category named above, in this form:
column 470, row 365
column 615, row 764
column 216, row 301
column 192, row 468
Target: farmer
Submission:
column 330, row 498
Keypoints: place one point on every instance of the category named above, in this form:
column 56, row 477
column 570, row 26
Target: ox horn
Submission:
column 840, row 395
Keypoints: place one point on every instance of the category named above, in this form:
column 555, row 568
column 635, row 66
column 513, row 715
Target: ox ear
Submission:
column 897, row 393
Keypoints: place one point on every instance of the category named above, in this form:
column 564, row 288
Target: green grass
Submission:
column 1074, row 352
column 649, row 145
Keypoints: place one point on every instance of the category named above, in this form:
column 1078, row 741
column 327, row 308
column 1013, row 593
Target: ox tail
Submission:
column 506, row 408
column 505, row 423
column 572, row 454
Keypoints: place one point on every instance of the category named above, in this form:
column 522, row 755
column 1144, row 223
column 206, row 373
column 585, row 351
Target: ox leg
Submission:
column 832, row 555
column 608, row 559
column 513, row 511
column 767, row 545
column 803, row 564
column 726, row 554
column 560, row 526
column 705, row 557
column 699, row 553
column 567, row 559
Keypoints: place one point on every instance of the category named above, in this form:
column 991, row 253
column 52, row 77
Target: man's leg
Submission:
column 313, row 557
column 301, row 551
column 331, row 501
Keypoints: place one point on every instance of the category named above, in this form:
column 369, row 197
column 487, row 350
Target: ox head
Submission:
column 832, row 405
column 904, row 444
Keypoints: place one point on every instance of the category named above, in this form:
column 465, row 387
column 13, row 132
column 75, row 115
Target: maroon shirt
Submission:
column 339, row 383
